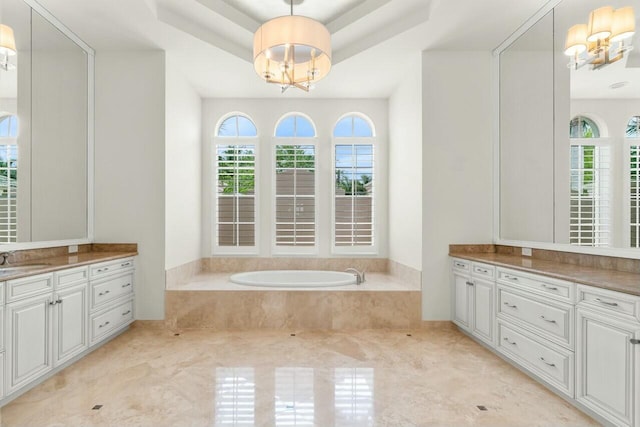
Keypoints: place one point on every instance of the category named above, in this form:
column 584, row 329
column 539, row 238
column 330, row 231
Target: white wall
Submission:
column 405, row 168
column 324, row 113
column 129, row 165
column 183, row 171
column 457, row 166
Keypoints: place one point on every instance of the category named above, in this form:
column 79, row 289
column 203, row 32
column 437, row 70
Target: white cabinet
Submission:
column 52, row 318
column 29, row 340
column 70, row 313
column 608, row 365
column 473, row 298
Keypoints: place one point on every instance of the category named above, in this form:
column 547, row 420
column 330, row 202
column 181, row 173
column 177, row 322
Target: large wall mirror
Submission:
column 569, row 128
column 46, row 114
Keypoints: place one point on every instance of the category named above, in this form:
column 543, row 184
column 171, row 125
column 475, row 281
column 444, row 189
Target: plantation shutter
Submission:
column 295, row 170
column 634, row 196
column 235, row 397
column 353, row 396
column 235, row 193
column 354, row 201
column 8, row 193
column 590, row 222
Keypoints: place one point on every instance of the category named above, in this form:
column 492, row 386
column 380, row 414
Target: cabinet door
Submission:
column 71, row 316
column 461, row 298
column 482, row 310
column 607, row 366
column 29, row 340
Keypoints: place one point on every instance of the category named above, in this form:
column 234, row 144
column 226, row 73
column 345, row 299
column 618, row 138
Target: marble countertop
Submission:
column 620, row 281
column 60, row 263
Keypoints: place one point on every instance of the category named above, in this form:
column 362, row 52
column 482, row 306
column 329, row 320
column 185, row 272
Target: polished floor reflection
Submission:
column 151, row 377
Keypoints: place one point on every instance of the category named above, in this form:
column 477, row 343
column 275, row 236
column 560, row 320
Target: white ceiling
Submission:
column 374, row 41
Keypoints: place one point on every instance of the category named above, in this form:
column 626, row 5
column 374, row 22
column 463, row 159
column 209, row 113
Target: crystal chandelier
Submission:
column 292, row 51
column 604, row 40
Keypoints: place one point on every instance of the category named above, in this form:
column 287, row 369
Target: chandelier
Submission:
column 292, row 51
column 604, row 40
column 7, row 47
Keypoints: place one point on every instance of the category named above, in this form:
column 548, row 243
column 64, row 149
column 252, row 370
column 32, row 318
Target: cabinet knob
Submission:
column 634, row 341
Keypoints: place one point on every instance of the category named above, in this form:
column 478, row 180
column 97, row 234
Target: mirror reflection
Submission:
column 595, row 100
column 43, row 129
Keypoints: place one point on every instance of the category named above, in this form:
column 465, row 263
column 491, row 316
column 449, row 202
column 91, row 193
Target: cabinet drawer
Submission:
column 102, row 324
column 110, row 289
column 29, row 286
column 110, row 267
column 483, row 270
column 550, row 319
column 461, row 264
column 71, row 276
column 552, row 363
column 547, row 286
column 609, row 301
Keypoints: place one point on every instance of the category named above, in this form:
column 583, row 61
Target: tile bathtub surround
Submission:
column 149, row 377
column 182, row 274
column 405, row 273
column 271, row 309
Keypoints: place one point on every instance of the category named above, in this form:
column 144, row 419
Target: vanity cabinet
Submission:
column 608, row 355
column 473, row 298
column 53, row 318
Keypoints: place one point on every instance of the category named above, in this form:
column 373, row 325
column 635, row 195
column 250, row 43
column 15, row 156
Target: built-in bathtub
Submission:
column 294, row 278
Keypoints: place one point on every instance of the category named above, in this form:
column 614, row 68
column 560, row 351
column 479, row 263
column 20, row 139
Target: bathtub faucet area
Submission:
column 359, row 275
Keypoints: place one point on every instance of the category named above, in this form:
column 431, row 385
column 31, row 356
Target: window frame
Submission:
column 294, row 140
column 216, row 249
column 12, row 141
column 601, row 142
column 370, row 250
column 626, row 188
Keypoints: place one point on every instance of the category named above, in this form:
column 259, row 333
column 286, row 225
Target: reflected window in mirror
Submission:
column 633, row 148
column 8, row 178
column 583, row 127
column 590, row 223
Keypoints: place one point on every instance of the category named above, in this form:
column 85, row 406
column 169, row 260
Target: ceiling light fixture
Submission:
column 604, row 40
column 7, row 47
column 292, row 51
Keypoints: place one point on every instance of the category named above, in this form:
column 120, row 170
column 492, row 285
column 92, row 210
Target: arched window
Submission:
column 589, row 223
column 633, row 127
column 583, row 127
column 353, row 126
column 8, row 177
column 237, row 125
column 295, row 185
column 295, row 125
column 353, row 191
column 9, row 126
column 235, row 192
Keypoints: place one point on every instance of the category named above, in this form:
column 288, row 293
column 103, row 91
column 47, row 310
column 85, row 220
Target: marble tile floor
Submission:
column 151, row 377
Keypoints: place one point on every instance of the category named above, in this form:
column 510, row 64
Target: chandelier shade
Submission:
column 600, row 21
column 624, row 24
column 292, row 51
column 7, row 41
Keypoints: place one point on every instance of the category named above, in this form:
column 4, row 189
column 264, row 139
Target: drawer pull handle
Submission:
column 104, row 324
column 53, row 302
column 59, row 301
column 510, row 306
column 458, row 264
column 100, row 270
column 553, row 365
column 125, row 264
column 127, row 285
column 515, row 279
column 612, row 304
column 634, row 341
column 470, row 283
column 126, row 312
column 551, row 288
column 547, row 320
column 103, row 293
column 482, row 270
column 509, row 342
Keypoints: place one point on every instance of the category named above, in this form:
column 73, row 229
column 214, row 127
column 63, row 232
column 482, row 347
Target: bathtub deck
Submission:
column 220, row 282
column 211, row 301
